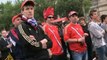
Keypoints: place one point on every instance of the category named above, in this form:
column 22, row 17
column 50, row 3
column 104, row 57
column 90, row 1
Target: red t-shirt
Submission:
column 70, row 33
column 52, row 33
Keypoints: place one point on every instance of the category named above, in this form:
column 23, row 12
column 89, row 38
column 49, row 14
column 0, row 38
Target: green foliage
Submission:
column 8, row 10
column 62, row 7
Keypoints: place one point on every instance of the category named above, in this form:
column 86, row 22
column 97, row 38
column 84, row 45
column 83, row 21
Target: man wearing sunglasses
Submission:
column 57, row 52
column 75, row 37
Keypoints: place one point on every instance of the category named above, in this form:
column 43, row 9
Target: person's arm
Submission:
column 72, row 40
column 93, row 29
column 49, row 43
column 68, row 39
column 82, row 39
column 41, row 44
column 66, row 34
column 104, row 27
column 24, row 32
column 3, row 48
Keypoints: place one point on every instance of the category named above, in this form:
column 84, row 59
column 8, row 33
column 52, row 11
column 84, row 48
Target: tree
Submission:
column 8, row 11
column 62, row 7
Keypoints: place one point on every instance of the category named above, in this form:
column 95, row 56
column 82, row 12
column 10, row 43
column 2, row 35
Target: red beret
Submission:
column 48, row 11
column 27, row 1
column 71, row 13
column 16, row 16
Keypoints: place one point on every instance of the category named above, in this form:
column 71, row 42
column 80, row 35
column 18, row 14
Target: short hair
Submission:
column 91, row 12
column 82, row 19
column 103, row 17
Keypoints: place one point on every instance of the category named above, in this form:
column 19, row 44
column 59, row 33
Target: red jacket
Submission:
column 70, row 33
column 52, row 32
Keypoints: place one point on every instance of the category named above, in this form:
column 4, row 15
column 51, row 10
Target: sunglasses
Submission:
column 50, row 17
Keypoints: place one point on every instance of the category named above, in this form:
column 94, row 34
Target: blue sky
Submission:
column 4, row 1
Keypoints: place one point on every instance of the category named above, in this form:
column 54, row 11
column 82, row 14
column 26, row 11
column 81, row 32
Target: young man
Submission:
column 52, row 32
column 5, row 45
column 74, row 35
column 34, row 43
column 97, row 35
column 104, row 26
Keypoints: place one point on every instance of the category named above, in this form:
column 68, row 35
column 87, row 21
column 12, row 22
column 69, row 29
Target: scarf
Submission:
column 31, row 21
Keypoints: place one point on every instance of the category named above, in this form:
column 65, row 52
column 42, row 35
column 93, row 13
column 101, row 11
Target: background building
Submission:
column 100, row 5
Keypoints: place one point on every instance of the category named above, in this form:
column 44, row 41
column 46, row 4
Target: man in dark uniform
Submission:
column 34, row 43
column 16, row 50
column 5, row 46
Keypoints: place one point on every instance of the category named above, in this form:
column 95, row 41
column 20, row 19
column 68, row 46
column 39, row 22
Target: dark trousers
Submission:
column 59, row 57
column 34, row 58
column 101, row 53
column 90, row 52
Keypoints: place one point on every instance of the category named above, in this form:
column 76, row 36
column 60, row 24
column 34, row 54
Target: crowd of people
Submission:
column 68, row 38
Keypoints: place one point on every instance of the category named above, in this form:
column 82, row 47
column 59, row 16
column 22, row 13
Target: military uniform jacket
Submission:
column 28, row 49
column 16, row 49
column 4, row 50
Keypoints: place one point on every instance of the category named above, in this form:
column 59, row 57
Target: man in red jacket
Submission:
column 74, row 35
column 52, row 32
